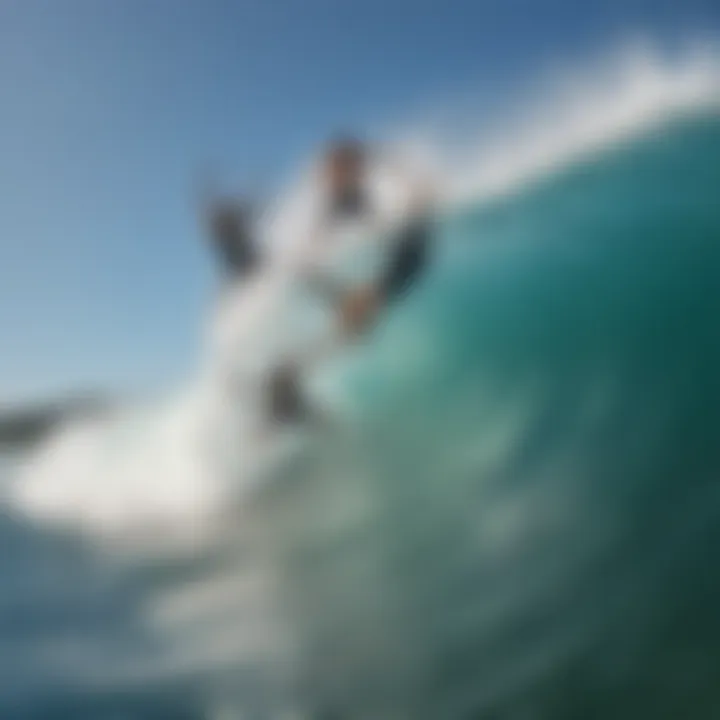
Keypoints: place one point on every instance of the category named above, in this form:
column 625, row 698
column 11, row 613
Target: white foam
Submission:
column 163, row 467
column 574, row 113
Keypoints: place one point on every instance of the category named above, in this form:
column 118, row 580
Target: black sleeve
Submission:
column 408, row 259
column 235, row 246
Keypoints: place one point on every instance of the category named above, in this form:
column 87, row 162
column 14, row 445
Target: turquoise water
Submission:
column 544, row 462
column 520, row 521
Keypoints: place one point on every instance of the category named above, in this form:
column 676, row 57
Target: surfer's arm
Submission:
column 410, row 242
column 408, row 261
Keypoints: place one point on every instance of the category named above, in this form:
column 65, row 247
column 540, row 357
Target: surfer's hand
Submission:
column 358, row 309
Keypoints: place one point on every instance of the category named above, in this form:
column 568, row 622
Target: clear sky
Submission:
column 110, row 108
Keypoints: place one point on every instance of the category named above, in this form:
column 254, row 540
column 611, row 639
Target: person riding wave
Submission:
column 343, row 193
column 346, row 194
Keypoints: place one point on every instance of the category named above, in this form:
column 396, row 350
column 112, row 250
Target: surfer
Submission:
column 345, row 195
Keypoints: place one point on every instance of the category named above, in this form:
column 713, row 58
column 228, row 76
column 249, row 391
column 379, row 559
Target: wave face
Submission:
column 516, row 516
column 542, row 461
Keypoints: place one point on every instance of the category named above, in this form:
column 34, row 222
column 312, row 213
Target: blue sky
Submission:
column 109, row 109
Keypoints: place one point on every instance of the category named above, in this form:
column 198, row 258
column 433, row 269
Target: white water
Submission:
column 171, row 467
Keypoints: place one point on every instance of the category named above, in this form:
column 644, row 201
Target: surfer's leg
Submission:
column 285, row 401
column 286, row 404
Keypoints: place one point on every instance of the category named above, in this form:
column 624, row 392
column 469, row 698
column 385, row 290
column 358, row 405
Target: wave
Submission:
column 521, row 476
column 181, row 460
column 573, row 113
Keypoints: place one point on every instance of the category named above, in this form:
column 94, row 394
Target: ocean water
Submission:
column 517, row 518
column 544, row 460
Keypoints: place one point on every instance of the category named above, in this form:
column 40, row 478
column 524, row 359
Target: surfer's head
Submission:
column 344, row 163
